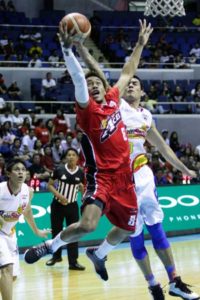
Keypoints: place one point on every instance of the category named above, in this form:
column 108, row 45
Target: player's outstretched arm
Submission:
column 130, row 67
column 154, row 138
column 28, row 215
column 73, row 66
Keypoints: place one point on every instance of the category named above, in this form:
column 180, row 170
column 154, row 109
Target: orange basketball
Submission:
column 77, row 24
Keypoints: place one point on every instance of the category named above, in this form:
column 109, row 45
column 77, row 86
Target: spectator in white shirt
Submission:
column 48, row 86
column 17, row 120
column 196, row 50
column 35, row 62
column 28, row 140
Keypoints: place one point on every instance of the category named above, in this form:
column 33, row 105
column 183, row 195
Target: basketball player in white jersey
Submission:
column 140, row 128
column 15, row 200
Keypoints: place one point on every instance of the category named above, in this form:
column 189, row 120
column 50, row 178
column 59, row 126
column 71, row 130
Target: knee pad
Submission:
column 158, row 236
column 137, row 246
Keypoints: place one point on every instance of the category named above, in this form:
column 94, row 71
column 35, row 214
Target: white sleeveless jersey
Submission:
column 12, row 206
column 137, row 122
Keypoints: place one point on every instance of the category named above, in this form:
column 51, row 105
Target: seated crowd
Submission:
column 41, row 145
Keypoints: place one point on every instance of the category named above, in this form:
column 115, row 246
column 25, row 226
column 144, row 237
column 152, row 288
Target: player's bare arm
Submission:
column 90, row 61
column 154, row 138
column 53, row 190
column 73, row 67
column 28, row 215
column 131, row 65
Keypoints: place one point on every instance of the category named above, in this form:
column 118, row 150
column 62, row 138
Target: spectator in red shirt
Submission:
column 61, row 122
column 47, row 159
column 42, row 132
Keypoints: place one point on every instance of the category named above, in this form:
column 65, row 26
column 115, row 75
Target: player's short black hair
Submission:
column 95, row 74
column 71, row 149
column 140, row 81
column 13, row 162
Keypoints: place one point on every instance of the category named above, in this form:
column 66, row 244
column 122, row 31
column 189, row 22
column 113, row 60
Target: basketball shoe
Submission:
column 156, row 292
column 99, row 264
column 180, row 289
column 35, row 253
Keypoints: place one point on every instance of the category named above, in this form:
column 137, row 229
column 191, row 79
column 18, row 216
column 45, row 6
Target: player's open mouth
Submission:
column 94, row 93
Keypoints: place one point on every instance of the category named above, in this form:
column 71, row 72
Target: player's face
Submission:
column 96, row 88
column 72, row 158
column 17, row 174
column 133, row 91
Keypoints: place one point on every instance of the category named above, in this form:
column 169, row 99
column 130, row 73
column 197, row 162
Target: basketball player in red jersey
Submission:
column 105, row 145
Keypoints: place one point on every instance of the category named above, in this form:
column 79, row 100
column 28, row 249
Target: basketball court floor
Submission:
column 39, row 282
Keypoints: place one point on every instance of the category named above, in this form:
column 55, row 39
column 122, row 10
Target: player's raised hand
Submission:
column 191, row 173
column 145, row 32
column 65, row 38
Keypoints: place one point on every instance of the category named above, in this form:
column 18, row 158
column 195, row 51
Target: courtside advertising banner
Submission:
column 181, row 206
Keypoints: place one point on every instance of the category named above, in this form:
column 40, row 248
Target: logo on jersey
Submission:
column 110, row 125
column 137, row 132
column 13, row 216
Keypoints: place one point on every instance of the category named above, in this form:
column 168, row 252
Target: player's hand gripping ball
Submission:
column 77, row 26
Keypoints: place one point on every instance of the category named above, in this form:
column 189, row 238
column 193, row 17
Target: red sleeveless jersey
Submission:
column 105, row 143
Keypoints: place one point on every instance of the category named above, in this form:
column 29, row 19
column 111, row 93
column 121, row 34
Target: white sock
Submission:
column 104, row 249
column 57, row 243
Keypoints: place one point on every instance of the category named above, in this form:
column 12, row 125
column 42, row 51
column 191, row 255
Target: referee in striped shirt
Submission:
column 68, row 179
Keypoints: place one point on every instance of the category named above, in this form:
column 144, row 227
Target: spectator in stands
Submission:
column 17, row 119
column 38, row 147
column 165, row 134
column 3, row 41
column 47, row 160
column 196, row 96
column 7, row 138
column 150, row 104
column 50, row 127
column 165, row 90
column 67, row 143
column 18, row 151
column 14, row 91
column 61, row 122
column 6, row 117
column 36, row 37
column 57, row 151
column 196, row 20
column 53, row 59
column 26, row 125
column 196, row 50
column 76, row 141
column 9, row 48
column 3, row 88
column 20, row 48
column 24, row 35
column 38, row 171
column 2, row 168
column 48, row 87
column 10, row 6
column 65, row 78
column 35, row 49
column 33, row 118
column 178, row 95
column 101, row 62
column 42, row 132
column 28, row 140
column 35, row 62
column 192, row 59
column 179, row 62
column 160, row 177
column 174, row 142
